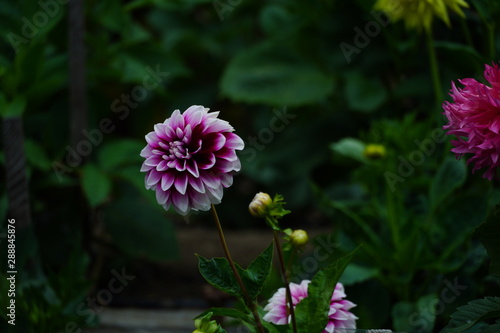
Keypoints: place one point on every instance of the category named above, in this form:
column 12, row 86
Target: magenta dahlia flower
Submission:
column 474, row 118
column 338, row 316
column 190, row 158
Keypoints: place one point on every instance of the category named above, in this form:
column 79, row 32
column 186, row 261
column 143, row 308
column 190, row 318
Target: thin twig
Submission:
column 285, row 277
column 247, row 298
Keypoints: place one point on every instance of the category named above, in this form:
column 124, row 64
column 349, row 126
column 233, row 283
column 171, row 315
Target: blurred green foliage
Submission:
column 254, row 61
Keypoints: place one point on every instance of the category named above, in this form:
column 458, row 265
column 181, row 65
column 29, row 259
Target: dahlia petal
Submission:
column 218, row 125
column 209, row 180
column 213, row 142
column 162, row 166
column 197, row 184
column 192, row 167
column 188, row 132
column 495, row 125
column 166, row 181
column 153, row 178
column 146, row 167
column 226, row 180
column 162, row 196
column 180, row 203
column 152, row 138
column 176, row 120
column 181, row 181
column 146, row 151
column 227, row 154
column 194, row 114
column 200, row 201
column 206, row 161
column 216, row 192
column 233, row 141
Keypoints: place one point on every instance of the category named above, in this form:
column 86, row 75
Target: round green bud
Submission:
column 259, row 207
column 299, row 238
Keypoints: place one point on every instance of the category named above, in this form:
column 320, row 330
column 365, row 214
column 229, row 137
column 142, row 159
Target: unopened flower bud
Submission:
column 374, row 151
column 259, row 207
column 299, row 238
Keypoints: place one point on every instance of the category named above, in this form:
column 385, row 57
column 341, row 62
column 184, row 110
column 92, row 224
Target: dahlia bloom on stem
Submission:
column 338, row 316
column 474, row 118
column 190, row 158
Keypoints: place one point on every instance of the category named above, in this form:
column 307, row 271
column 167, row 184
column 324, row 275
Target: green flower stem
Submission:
column 246, row 297
column 434, row 68
column 285, row 277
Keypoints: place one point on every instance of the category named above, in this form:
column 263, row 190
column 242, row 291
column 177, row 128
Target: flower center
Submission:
column 177, row 149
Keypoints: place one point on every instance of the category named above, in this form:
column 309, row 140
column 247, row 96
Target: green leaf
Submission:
column 489, row 234
column 120, row 153
column 35, row 155
column 364, row 94
column 228, row 312
column 140, row 229
column 96, row 185
column 14, row 108
column 350, row 147
column 312, row 312
column 475, row 311
column 274, row 75
column 218, row 273
column 257, row 272
column 450, row 176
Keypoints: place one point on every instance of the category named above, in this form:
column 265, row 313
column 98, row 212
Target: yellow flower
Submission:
column 374, row 152
column 418, row 14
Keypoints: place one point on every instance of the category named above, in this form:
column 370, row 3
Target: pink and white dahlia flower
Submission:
column 474, row 118
column 190, row 158
column 338, row 316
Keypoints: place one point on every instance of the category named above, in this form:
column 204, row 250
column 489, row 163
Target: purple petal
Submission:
column 197, row 184
column 162, row 196
column 166, row 181
column 181, row 203
column 180, row 183
column 234, row 142
column 209, row 180
column 176, row 120
column 213, row 142
column 162, row 166
column 152, row 139
column 206, row 161
column 146, row 151
column 145, row 167
column 152, row 178
column 192, row 167
column 194, row 114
